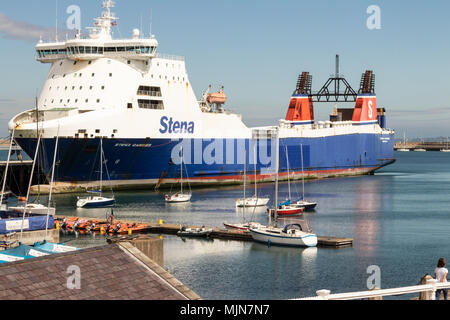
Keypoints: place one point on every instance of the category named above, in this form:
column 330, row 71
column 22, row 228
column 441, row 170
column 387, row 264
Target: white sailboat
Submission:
column 180, row 196
column 295, row 235
column 244, row 225
column 253, row 201
column 33, row 208
column 404, row 149
column 97, row 200
column 446, row 149
column 305, row 204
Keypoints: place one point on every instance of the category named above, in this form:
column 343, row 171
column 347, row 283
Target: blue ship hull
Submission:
column 151, row 161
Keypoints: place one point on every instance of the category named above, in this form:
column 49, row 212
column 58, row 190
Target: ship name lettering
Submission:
column 168, row 125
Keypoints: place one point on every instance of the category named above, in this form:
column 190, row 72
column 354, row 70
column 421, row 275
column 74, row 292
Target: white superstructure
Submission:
column 105, row 87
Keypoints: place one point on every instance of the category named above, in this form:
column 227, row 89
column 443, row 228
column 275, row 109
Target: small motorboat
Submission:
column 194, row 232
column 293, row 235
column 51, row 248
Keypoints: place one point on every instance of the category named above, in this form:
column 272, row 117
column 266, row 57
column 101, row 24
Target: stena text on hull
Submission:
column 141, row 105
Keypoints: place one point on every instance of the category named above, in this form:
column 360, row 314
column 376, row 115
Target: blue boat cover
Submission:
column 285, row 203
column 29, row 224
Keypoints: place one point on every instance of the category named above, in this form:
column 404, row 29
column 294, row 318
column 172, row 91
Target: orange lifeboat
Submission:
column 217, row 97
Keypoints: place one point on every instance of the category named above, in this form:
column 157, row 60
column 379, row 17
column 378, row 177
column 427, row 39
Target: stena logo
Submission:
column 168, row 125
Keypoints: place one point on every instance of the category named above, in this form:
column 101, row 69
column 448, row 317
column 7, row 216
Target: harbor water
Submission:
column 398, row 218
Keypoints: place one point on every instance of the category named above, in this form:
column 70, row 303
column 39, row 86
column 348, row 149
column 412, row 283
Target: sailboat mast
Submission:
column 287, row 164
column 277, row 155
column 254, row 153
column 245, row 164
column 7, row 165
column 303, row 173
column 181, row 168
column 51, row 182
column 101, row 164
column 29, row 185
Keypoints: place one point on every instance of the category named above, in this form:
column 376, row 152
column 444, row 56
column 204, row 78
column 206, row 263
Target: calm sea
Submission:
column 399, row 220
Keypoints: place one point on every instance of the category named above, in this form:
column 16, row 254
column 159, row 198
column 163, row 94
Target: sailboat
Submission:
column 244, row 225
column 404, row 149
column 446, row 148
column 97, row 200
column 179, row 196
column 287, row 208
column 253, row 201
column 296, row 235
column 302, row 203
column 33, row 208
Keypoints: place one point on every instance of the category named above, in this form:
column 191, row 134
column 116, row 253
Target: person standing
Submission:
column 440, row 274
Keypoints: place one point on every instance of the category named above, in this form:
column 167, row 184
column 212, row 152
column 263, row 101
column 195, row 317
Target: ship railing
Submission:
column 429, row 289
column 169, row 57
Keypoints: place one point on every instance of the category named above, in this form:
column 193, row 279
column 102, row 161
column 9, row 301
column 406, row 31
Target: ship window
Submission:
column 73, row 87
column 114, row 130
column 81, row 87
column 110, row 49
column 93, row 75
column 88, row 49
column 68, row 100
column 129, row 105
column 76, row 135
column 87, row 100
column 60, row 64
column 97, row 130
column 64, row 76
column 81, row 75
column 81, row 49
column 65, row 88
column 149, row 91
column 82, row 130
column 100, row 50
column 103, row 87
column 49, row 88
column 76, row 100
column 151, row 104
column 60, row 101
column 110, row 74
column 129, row 62
column 53, row 100
column 74, row 63
column 120, row 49
column 90, row 88
column 89, row 62
column 98, row 100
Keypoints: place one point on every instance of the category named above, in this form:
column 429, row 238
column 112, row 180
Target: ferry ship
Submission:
column 140, row 104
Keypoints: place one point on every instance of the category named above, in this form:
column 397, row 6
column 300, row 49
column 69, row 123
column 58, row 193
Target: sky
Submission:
column 257, row 49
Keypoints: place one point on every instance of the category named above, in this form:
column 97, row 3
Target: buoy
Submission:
column 160, row 221
column 57, row 226
column 130, row 231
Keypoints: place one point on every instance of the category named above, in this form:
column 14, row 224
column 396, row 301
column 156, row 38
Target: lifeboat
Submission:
column 217, row 97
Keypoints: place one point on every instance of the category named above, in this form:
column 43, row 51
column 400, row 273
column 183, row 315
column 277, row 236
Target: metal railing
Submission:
column 430, row 288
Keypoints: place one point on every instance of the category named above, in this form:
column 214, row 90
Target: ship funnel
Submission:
column 301, row 107
column 366, row 101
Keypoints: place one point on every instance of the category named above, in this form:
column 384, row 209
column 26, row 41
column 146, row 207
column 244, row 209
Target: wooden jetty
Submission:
column 223, row 234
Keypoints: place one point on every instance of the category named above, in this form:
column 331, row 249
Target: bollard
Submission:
column 160, row 222
column 432, row 293
column 323, row 294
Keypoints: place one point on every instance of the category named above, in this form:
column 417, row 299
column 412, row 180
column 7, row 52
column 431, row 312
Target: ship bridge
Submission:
column 99, row 44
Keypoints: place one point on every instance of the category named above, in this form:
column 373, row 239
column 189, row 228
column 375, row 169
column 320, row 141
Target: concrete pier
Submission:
column 30, row 237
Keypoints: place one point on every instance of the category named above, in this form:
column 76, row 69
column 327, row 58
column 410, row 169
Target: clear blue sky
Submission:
column 256, row 49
